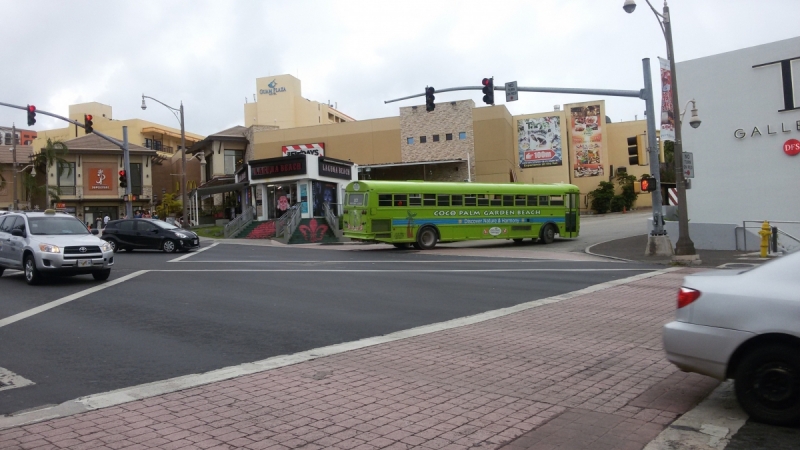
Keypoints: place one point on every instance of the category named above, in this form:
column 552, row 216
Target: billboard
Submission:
column 539, row 142
column 586, row 124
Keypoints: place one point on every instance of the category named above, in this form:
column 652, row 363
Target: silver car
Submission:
column 41, row 243
column 744, row 325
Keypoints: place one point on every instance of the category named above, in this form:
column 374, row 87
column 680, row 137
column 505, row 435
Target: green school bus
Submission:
column 423, row 213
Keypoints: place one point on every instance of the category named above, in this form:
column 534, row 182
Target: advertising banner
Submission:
column 539, row 142
column 587, row 139
column 667, row 111
column 100, row 178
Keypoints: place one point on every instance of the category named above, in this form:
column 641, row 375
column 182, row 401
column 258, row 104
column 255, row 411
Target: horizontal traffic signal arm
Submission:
column 501, row 87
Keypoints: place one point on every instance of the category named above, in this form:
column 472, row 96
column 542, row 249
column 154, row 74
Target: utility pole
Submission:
column 126, row 161
column 14, row 158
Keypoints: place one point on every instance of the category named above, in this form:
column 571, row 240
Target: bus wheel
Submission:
column 401, row 245
column 518, row 241
column 416, row 246
column 426, row 238
column 548, row 234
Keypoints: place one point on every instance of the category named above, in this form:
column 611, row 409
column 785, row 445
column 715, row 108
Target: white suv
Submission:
column 47, row 242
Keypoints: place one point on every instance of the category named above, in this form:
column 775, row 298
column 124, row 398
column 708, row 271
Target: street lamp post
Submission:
column 684, row 246
column 176, row 111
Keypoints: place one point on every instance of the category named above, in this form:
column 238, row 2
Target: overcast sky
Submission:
column 355, row 53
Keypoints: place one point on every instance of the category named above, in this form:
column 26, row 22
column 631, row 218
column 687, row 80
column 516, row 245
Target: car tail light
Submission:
column 686, row 296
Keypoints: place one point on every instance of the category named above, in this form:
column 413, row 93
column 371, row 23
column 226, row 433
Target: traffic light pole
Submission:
column 658, row 243
column 126, row 161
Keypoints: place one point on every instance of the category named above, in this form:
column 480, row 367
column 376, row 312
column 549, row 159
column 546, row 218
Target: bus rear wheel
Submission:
column 548, row 234
column 426, row 238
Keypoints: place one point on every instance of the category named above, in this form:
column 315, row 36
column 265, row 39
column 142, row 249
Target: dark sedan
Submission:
column 131, row 234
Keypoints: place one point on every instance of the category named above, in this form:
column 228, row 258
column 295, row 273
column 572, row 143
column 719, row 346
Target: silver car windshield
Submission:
column 56, row 226
column 164, row 225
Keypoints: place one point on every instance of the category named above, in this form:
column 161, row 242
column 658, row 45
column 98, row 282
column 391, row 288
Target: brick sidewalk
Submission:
column 586, row 372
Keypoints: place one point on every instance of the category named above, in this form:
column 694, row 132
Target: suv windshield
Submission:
column 56, row 226
column 164, row 225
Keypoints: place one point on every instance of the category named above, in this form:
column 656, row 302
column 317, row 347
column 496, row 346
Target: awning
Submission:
column 219, row 189
column 168, row 133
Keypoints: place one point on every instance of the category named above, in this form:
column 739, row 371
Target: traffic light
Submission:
column 488, row 91
column 429, row 98
column 123, row 179
column 31, row 115
column 648, row 184
column 637, row 147
column 87, row 122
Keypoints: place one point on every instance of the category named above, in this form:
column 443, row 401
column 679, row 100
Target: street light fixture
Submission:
column 684, row 247
column 694, row 121
column 175, row 112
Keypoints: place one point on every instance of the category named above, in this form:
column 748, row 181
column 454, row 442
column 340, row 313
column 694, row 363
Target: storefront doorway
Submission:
column 93, row 215
column 281, row 198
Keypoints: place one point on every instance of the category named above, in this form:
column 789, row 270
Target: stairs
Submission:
column 313, row 231
column 258, row 230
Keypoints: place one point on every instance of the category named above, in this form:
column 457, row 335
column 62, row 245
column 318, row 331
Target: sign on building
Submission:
column 304, row 149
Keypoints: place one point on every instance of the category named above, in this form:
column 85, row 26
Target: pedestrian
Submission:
column 105, row 220
column 138, row 215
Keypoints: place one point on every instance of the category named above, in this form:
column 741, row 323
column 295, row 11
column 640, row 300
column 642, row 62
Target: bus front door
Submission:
column 571, row 218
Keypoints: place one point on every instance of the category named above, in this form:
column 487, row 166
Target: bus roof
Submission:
column 434, row 187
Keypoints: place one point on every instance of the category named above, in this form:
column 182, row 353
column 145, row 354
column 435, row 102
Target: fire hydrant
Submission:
column 766, row 232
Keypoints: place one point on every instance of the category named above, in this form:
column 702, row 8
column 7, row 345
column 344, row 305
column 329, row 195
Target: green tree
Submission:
column 668, row 168
column 52, row 155
column 31, row 187
column 170, row 204
column 600, row 198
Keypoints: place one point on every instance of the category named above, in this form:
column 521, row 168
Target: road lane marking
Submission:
column 181, row 258
column 474, row 261
column 67, row 299
column 407, row 270
column 10, row 380
column 125, row 395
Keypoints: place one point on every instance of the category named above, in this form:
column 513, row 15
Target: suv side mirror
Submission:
column 95, row 231
column 17, row 232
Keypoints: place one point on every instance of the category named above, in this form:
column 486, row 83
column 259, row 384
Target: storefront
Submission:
column 308, row 181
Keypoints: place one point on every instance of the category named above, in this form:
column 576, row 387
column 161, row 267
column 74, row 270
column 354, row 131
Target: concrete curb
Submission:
column 588, row 250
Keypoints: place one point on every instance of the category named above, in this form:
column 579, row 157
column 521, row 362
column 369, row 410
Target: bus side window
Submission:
column 385, row 200
column 556, row 200
column 544, row 200
column 457, row 200
column 497, row 200
column 533, row 200
column 414, row 200
column 519, row 200
column 508, row 200
column 429, row 199
column 442, row 200
column 470, row 200
column 483, row 200
column 400, row 200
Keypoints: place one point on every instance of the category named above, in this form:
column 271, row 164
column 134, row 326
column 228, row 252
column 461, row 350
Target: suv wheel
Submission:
column 113, row 245
column 101, row 275
column 32, row 274
column 1, row 271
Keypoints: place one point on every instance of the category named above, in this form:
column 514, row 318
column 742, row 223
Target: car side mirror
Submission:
column 154, row 231
column 95, row 232
column 17, row 232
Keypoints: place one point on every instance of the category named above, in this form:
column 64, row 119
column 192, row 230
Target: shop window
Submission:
column 233, row 161
column 470, row 200
column 429, row 199
column 410, row 141
column 66, row 178
column 442, row 200
column 462, row 135
column 435, row 138
column 135, row 178
column 423, row 139
column 414, row 200
column 533, row 200
column 457, row 200
column 508, row 200
column 385, row 200
column 448, row 136
column 400, row 200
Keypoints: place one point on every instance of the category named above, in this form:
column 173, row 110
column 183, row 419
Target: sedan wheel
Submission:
column 32, row 274
column 767, row 384
column 169, row 246
column 113, row 245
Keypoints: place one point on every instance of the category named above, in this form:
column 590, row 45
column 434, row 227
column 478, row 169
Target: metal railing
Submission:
column 238, row 224
column 758, row 226
column 285, row 226
column 333, row 220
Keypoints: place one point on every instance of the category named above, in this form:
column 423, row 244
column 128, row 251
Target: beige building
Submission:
column 24, row 153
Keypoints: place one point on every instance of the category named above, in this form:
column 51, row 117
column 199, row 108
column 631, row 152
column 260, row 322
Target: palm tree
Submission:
column 52, row 154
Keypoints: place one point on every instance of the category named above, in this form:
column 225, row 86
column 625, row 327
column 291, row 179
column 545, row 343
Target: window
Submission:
column 126, row 225
column 448, row 137
column 470, row 200
column 519, row 200
column 462, row 135
column 209, row 166
column 556, row 200
column 410, row 141
column 508, row 200
column 442, row 200
column 423, row 139
column 533, row 200
column 145, row 226
column 153, row 144
column 544, row 200
column 66, row 178
column 414, row 200
column 429, row 199
column 400, row 200
column 135, row 178
column 483, row 200
column 5, row 224
column 457, row 200
column 435, row 138
column 385, row 200
column 496, row 200
column 233, row 161
column 355, row 199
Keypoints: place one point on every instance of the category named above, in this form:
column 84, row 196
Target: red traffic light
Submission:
column 486, row 81
column 31, row 115
column 31, row 108
column 648, row 184
column 88, row 117
column 122, row 173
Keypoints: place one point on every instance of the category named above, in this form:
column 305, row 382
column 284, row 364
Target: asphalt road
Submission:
column 158, row 317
